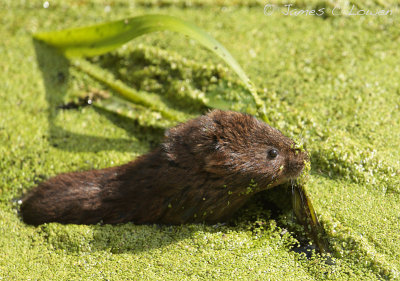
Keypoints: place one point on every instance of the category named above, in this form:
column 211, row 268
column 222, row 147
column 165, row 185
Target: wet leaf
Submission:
column 306, row 216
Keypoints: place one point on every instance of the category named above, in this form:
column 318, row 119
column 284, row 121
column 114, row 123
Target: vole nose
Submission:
column 296, row 163
column 302, row 154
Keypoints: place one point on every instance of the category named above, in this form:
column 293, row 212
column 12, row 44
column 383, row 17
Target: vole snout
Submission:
column 296, row 162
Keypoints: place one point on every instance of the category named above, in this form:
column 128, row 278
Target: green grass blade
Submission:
column 102, row 38
column 153, row 102
column 305, row 214
column 141, row 114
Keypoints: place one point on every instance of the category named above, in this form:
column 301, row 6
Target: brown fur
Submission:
column 204, row 171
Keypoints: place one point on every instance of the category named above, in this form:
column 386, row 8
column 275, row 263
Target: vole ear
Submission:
column 171, row 144
column 215, row 164
column 197, row 138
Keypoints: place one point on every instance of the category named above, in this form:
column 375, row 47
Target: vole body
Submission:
column 204, row 171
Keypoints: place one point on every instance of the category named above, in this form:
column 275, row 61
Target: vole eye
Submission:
column 273, row 153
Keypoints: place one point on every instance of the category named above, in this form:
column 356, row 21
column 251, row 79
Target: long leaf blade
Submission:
column 151, row 101
column 305, row 214
column 102, row 38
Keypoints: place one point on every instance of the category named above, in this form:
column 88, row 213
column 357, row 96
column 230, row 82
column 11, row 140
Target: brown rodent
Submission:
column 204, row 171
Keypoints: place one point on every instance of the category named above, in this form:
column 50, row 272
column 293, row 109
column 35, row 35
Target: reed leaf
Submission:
column 152, row 101
column 306, row 216
column 101, row 38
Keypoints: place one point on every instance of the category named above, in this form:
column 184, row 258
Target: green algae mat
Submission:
column 329, row 78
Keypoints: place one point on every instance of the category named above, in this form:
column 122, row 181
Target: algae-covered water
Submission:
column 331, row 81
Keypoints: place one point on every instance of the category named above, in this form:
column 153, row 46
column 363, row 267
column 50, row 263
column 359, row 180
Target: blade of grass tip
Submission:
column 306, row 215
column 151, row 101
column 102, row 38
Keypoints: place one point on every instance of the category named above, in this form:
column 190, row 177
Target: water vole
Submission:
column 204, row 171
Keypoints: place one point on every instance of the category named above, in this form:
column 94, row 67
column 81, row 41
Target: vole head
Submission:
column 236, row 147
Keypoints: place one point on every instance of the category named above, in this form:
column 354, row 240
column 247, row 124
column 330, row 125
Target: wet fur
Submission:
column 204, row 171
